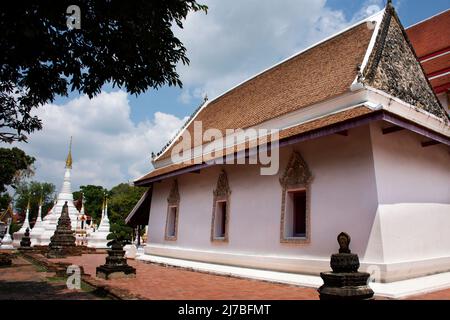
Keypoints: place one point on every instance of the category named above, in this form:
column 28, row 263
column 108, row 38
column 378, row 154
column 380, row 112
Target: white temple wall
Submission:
column 406, row 172
column 343, row 198
column 387, row 191
column 410, row 236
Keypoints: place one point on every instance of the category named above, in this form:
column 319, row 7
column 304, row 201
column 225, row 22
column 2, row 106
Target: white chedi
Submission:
column 38, row 227
column 7, row 242
column 98, row 239
column 18, row 235
column 50, row 221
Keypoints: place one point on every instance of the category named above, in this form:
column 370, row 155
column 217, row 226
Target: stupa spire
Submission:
column 103, row 208
column 105, row 216
column 82, row 204
column 69, row 156
column 39, row 217
column 26, row 223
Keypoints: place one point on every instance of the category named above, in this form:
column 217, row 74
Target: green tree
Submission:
column 5, row 200
column 122, row 199
column 93, row 200
column 14, row 166
column 129, row 44
column 34, row 191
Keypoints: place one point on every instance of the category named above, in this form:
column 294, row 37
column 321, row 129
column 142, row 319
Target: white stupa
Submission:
column 7, row 242
column 17, row 236
column 38, row 227
column 98, row 239
column 51, row 219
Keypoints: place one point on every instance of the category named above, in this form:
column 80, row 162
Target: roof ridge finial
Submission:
column 69, row 156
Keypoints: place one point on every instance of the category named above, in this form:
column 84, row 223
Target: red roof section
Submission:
column 431, row 41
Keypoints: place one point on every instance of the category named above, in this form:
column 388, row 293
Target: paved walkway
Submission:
column 25, row 281
column 159, row 282
column 154, row 281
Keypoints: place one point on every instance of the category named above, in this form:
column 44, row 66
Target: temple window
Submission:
column 295, row 215
column 221, row 210
column 295, row 201
column 220, row 220
column 172, row 221
column 173, row 204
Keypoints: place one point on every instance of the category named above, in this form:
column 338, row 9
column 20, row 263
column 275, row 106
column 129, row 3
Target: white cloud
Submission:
column 238, row 39
column 369, row 7
column 108, row 148
column 235, row 40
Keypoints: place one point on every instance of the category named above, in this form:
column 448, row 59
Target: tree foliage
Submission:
column 14, row 165
column 5, row 200
column 34, row 191
column 93, row 200
column 129, row 44
column 122, row 199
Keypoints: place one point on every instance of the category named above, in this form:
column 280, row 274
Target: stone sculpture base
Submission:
column 63, row 252
column 25, row 249
column 345, row 282
column 116, row 264
column 115, row 272
column 345, row 286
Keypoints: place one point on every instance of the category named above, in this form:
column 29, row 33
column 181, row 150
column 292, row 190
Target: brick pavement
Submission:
column 154, row 281
column 24, row 280
column 158, row 282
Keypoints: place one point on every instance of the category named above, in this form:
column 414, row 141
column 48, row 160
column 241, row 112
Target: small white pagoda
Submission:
column 17, row 236
column 7, row 242
column 38, row 227
column 98, row 239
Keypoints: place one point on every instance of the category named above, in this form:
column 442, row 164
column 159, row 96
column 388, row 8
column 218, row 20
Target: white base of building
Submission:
column 394, row 290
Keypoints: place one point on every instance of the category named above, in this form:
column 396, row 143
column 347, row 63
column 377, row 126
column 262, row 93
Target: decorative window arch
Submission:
column 221, row 209
column 296, row 201
column 173, row 208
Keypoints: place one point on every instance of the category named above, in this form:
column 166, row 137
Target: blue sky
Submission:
column 115, row 133
column 166, row 98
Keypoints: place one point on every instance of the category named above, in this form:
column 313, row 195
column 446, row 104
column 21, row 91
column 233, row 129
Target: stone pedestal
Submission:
column 345, row 282
column 116, row 264
column 62, row 243
column 25, row 243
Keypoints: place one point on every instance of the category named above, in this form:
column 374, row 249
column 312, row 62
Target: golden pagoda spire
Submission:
column 69, row 156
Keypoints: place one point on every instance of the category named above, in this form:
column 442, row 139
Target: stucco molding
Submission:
column 296, row 176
